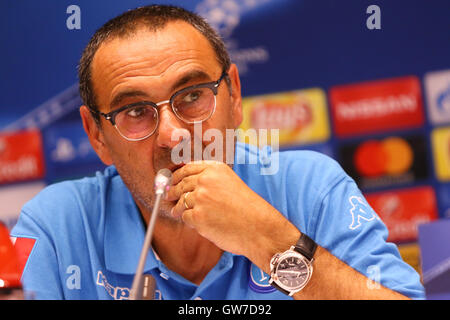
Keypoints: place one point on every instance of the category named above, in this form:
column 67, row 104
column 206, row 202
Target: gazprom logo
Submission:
column 259, row 280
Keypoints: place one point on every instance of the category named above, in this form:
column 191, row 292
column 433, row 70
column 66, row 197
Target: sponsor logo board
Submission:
column 21, row 156
column 387, row 161
column 440, row 140
column 300, row 116
column 403, row 210
column 437, row 88
column 376, row 106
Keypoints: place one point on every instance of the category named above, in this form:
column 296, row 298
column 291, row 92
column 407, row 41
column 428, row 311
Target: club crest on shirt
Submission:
column 259, row 280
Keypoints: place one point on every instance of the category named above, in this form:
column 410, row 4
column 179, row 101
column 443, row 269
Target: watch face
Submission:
column 293, row 272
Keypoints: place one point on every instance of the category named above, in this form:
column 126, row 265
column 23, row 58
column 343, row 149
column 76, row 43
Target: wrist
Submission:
column 277, row 238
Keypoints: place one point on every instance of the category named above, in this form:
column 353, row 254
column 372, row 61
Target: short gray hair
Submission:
column 153, row 17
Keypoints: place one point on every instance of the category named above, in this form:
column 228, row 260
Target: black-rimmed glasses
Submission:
column 138, row 121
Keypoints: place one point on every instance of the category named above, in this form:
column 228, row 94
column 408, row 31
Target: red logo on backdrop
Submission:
column 403, row 210
column 21, row 156
column 376, row 106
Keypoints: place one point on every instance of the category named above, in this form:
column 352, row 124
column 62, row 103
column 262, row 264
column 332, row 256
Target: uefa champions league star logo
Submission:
column 225, row 16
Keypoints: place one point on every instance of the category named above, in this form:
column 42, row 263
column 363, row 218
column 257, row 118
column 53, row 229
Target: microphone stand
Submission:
column 144, row 290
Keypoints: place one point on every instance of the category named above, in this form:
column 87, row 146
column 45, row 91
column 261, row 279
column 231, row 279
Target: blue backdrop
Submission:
column 279, row 45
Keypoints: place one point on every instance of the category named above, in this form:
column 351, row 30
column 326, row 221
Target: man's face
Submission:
column 152, row 66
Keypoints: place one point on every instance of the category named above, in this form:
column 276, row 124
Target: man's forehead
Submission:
column 174, row 38
column 137, row 58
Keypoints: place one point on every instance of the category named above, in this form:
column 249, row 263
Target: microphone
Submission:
column 162, row 181
column 143, row 287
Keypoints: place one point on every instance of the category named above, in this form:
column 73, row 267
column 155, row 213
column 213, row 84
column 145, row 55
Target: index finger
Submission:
column 191, row 168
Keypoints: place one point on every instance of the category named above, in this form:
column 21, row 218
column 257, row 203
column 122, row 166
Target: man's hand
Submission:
column 212, row 199
column 223, row 209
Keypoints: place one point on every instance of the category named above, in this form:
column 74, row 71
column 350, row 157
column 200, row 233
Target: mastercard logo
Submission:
column 390, row 156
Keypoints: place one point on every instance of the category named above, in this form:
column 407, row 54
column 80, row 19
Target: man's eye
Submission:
column 136, row 112
column 192, row 96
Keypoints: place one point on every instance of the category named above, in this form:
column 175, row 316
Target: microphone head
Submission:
column 165, row 172
column 162, row 180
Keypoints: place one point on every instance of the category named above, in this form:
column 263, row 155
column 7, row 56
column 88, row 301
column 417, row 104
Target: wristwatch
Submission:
column 291, row 270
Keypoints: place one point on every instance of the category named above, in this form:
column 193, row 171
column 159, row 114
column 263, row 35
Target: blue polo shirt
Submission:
column 87, row 234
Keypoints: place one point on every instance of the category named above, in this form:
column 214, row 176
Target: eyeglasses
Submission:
column 138, row 121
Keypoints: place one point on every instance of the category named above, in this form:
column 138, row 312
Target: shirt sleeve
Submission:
column 40, row 276
column 351, row 230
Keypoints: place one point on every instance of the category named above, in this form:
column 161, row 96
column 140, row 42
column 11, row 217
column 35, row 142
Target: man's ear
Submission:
column 95, row 135
column 236, row 97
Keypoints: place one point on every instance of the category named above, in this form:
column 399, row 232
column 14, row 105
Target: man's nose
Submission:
column 170, row 129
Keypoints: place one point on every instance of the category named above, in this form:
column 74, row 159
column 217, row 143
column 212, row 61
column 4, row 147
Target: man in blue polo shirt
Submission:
column 225, row 231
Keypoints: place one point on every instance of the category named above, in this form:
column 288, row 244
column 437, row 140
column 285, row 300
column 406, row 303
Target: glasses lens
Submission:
column 137, row 122
column 194, row 104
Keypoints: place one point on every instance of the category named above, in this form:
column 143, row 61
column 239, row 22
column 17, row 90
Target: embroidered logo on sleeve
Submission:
column 360, row 210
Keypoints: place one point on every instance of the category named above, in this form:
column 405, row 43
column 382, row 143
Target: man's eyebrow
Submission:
column 197, row 75
column 125, row 94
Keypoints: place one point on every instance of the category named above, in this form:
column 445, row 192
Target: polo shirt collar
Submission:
column 124, row 230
